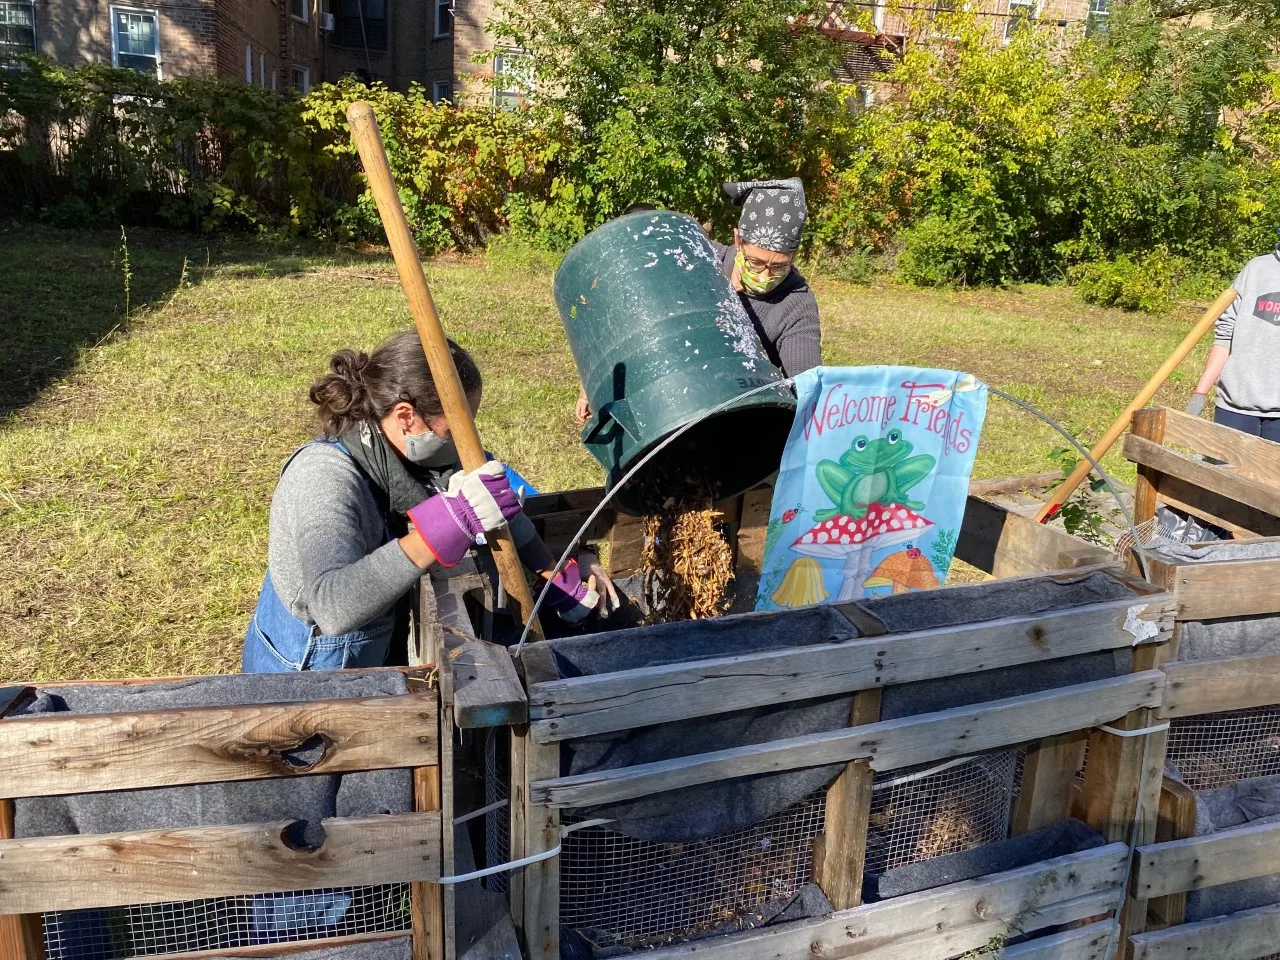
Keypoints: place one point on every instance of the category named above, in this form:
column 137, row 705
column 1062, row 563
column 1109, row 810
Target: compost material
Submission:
column 588, row 944
column 687, row 560
column 713, row 809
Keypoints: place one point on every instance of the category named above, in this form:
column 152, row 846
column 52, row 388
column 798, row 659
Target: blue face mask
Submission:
column 429, row 450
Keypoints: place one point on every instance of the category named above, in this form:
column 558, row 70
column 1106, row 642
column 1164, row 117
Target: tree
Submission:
column 672, row 97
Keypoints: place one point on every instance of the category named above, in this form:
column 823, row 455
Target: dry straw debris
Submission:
column 687, row 559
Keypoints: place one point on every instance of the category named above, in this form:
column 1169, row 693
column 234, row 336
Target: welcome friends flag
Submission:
column 873, row 483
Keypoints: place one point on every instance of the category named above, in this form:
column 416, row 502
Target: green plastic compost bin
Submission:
column 660, row 340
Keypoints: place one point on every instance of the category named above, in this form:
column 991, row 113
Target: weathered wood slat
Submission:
column 60, row 754
column 940, row 923
column 1252, row 456
column 888, row 745
column 840, row 851
column 272, row 950
column 1227, row 588
column 1177, row 821
column 1005, row 544
column 1085, row 943
column 581, row 706
column 1238, row 936
column 1048, row 774
column 152, row 866
column 1214, row 686
column 487, row 691
column 1256, row 494
column 1181, row 866
column 1216, row 508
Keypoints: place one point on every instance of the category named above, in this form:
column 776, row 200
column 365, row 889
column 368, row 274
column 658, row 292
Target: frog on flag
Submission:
column 873, row 483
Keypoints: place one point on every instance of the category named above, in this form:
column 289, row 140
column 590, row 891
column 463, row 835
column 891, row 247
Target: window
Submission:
column 248, row 63
column 512, row 78
column 262, row 69
column 135, row 40
column 1099, row 18
column 442, row 92
column 1022, row 13
column 361, row 24
column 17, row 29
column 301, row 78
column 300, row 10
column 444, row 18
column 939, row 7
column 275, row 79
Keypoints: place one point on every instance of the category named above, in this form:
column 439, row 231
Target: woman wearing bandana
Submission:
column 760, row 267
column 361, row 513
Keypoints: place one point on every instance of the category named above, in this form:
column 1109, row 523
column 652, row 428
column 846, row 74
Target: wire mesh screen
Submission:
column 1218, row 749
column 627, row 891
column 157, row 929
column 620, row 891
column 917, row 817
column 497, row 823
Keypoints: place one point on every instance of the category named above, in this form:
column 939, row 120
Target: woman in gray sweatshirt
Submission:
column 361, row 513
column 1245, row 359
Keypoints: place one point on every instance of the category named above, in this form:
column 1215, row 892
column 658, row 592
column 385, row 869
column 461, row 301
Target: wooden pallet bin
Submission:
column 1238, row 495
column 1084, row 890
column 59, row 755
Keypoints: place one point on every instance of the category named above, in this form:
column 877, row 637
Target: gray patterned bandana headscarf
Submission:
column 773, row 212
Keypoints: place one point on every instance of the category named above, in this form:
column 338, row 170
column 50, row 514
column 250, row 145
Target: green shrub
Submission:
column 1150, row 282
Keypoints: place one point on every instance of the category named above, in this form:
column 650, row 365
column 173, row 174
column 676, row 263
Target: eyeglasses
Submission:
column 777, row 269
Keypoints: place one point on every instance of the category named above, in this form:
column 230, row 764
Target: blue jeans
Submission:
column 1268, row 428
column 278, row 642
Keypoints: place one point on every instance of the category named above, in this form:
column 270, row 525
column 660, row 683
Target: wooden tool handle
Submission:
column 457, row 411
column 1203, row 326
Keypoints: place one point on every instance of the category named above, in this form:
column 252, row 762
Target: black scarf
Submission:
column 402, row 484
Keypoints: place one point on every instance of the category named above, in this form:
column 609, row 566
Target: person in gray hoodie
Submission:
column 1244, row 361
column 362, row 512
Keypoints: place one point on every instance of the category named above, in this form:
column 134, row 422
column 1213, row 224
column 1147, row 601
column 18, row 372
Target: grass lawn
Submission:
column 138, row 453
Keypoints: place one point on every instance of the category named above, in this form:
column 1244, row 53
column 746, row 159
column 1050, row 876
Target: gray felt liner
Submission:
column 1247, row 801
column 707, row 810
column 308, row 799
column 1057, row 840
column 1234, row 637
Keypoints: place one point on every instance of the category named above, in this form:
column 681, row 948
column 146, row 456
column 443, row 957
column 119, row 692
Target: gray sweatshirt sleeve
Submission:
column 1224, row 331
column 333, row 568
column 799, row 345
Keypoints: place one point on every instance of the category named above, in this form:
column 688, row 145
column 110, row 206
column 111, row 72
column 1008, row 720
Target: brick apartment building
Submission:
column 862, row 58
column 273, row 43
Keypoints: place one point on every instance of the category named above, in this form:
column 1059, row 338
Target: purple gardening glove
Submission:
column 569, row 597
column 475, row 503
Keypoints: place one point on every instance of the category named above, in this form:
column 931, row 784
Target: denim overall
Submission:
column 278, row 642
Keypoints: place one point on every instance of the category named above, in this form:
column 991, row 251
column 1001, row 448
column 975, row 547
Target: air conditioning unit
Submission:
column 326, row 22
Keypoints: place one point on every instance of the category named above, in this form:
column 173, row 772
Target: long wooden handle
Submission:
column 1203, row 326
column 457, row 411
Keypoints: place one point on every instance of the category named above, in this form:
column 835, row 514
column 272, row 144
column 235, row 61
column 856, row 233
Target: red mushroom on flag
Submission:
column 855, row 541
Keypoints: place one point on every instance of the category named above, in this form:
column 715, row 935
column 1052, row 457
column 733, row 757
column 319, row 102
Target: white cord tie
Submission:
column 524, row 861
column 1135, row 733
